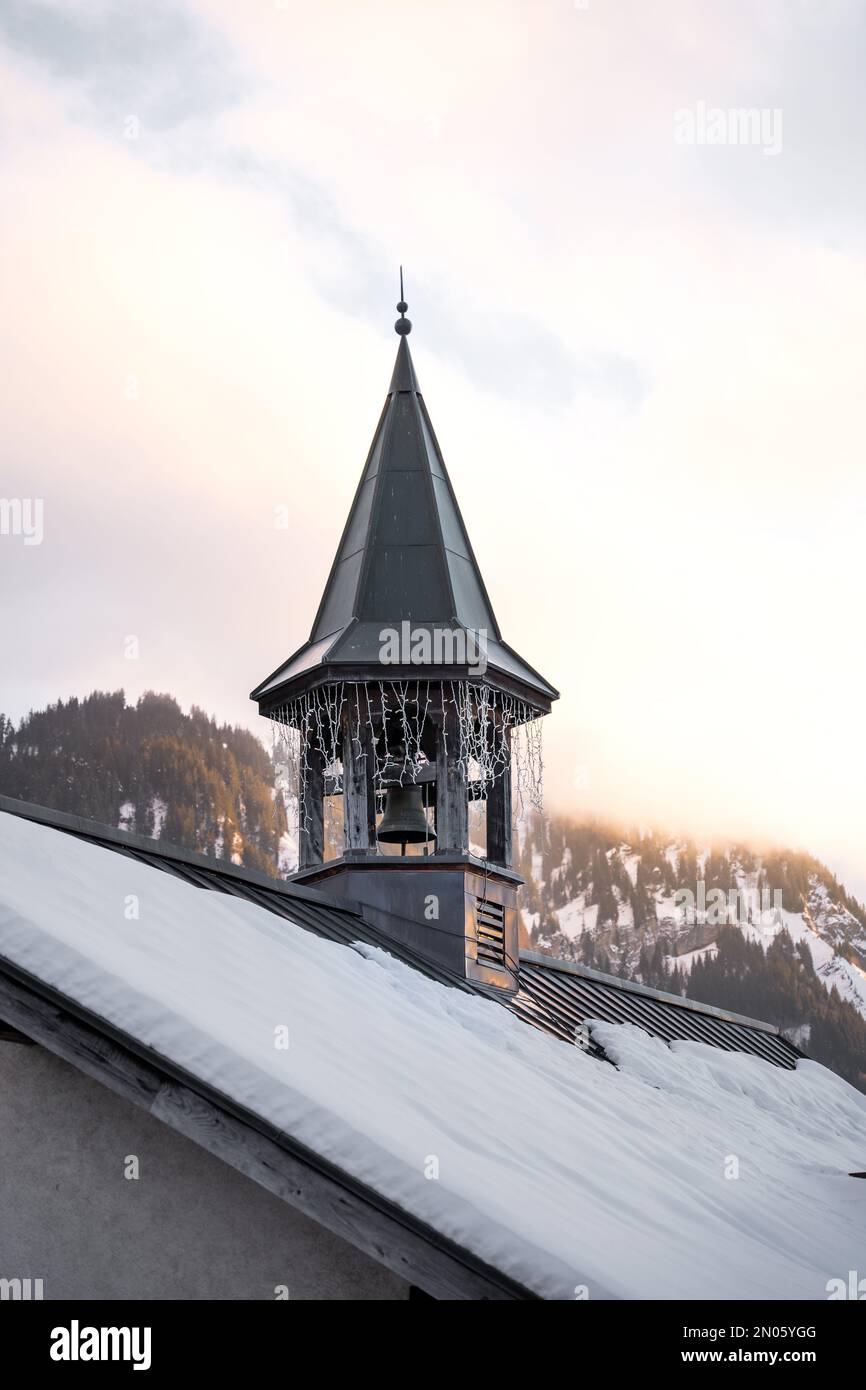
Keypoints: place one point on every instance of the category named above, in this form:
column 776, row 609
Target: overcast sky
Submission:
column 643, row 354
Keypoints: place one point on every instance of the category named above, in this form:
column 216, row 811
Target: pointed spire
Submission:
column 403, row 377
column 404, row 555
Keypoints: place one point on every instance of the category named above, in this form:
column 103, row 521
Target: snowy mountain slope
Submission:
column 668, row 912
column 817, row 926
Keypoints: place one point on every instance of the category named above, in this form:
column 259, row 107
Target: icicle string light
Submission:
column 493, row 730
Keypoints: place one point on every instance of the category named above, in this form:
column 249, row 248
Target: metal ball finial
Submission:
column 403, row 325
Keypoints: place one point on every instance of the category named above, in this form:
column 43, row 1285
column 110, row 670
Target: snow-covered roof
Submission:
column 682, row 1172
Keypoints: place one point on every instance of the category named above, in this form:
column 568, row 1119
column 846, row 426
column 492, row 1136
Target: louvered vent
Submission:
column 490, row 931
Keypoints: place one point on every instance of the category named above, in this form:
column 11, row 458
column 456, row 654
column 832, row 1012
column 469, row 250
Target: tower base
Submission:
column 454, row 910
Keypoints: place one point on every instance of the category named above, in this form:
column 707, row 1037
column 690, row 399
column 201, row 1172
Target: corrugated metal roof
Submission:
column 555, row 996
column 560, row 995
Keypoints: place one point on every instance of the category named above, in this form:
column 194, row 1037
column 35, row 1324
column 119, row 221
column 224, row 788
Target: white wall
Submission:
column 189, row 1227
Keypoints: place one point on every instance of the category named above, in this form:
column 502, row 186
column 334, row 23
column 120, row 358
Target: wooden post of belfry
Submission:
column 499, row 829
column 452, row 828
column 370, row 778
column 311, row 808
column 356, row 778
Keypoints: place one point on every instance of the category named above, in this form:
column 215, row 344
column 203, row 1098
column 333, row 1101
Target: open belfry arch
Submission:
column 408, row 704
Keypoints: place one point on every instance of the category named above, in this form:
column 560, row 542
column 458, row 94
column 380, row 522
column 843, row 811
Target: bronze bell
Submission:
column 404, row 821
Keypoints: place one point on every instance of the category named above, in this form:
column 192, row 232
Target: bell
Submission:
column 404, row 821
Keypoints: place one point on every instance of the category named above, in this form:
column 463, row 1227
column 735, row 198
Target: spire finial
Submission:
column 403, row 325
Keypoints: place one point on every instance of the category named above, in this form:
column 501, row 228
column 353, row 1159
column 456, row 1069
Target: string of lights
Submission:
column 391, row 722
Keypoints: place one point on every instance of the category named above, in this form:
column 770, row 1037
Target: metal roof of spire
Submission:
column 404, row 555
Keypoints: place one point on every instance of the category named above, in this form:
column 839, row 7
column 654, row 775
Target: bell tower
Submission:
column 408, row 706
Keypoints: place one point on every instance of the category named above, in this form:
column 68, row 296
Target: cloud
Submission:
column 167, row 69
column 157, row 61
